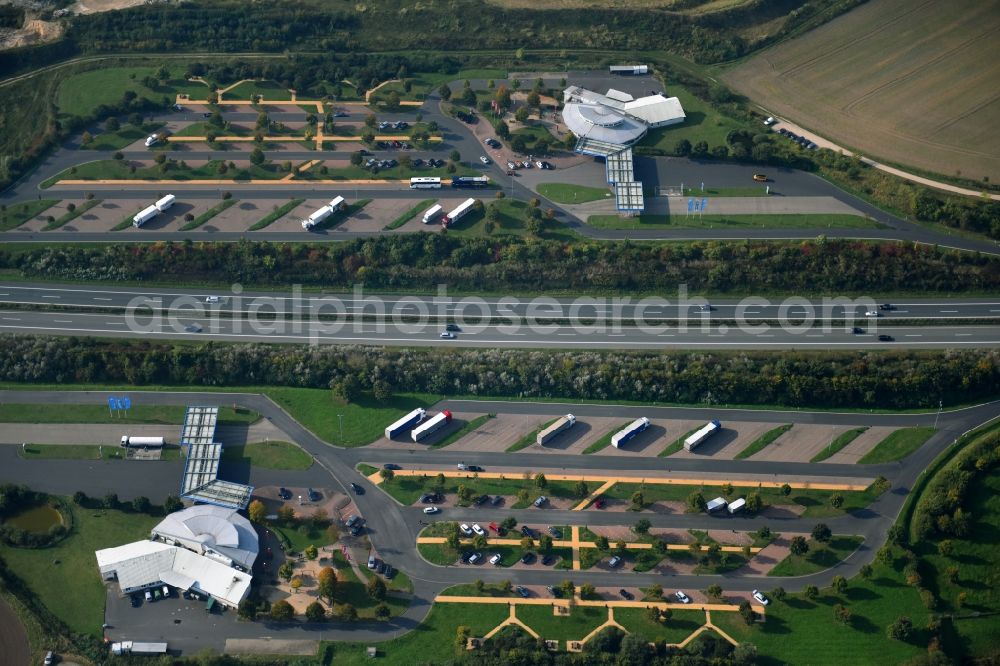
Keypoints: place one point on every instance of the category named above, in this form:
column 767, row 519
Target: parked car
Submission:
column 284, row 493
column 511, row 165
column 681, row 597
column 760, row 178
column 50, row 658
column 614, row 561
column 554, row 531
column 461, row 467
column 474, row 468
column 484, row 159
column 352, row 521
column 391, row 466
column 372, row 561
column 539, row 164
column 626, row 594
column 527, row 531
column 478, row 530
column 149, row 595
column 547, row 165
column 527, row 164
column 759, row 596
column 357, row 530
column 466, row 556
column 482, row 499
column 315, row 495
column 495, row 559
column 527, row 558
column 553, row 591
column 600, row 503
column 430, row 510
column 497, row 500
column 135, row 600
column 542, row 499
column 523, row 591
column 465, row 529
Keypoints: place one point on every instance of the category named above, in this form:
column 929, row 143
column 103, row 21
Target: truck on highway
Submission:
column 131, row 441
column 701, row 435
column 165, row 203
column 137, row 647
column 548, row 434
column 405, row 423
column 714, row 505
column 432, row 214
column 432, row 425
column 460, row 211
column 630, row 431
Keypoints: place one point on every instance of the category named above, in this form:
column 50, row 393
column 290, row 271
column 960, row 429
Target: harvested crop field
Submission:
column 912, row 83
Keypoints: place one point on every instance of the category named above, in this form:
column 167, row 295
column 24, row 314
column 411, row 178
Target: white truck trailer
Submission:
column 714, row 505
column 337, row 204
column 405, row 423
column 145, row 215
column 137, row 647
column 433, row 213
column 737, row 505
column 702, row 434
column 460, row 211
column 131, row 441
column 165, row 203
column 433, row 424
column 630, row 431
column 548, row 434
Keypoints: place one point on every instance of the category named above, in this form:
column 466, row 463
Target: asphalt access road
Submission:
column 400, row 333
column 393, row 531
column 455, row 308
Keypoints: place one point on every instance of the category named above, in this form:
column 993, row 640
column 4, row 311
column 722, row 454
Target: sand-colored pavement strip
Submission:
column 511, row 619
column 575, row 535
column 576, row 543
column 597, row 493
column 577, row 601
column 252, row 181
column 679, row 481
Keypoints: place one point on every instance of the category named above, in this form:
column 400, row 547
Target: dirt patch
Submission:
column 34, row 31
column 240, row 216
column 730, row 537
column 672, row 535
column 97, row 6
column 614, row 532
column 800, row 443
column 861, row 445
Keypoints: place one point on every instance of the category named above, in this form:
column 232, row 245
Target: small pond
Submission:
column 37, row 520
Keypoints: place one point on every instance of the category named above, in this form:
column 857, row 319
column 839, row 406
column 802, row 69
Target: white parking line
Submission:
column 44, row 296
column 98, row 298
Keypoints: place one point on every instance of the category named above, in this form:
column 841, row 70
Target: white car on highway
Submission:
column 447, row 335
column 478, row 530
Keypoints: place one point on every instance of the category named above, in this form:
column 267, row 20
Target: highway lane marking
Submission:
column 963, row 335
column 949, row 311
column 11, row 319
column 63, row 321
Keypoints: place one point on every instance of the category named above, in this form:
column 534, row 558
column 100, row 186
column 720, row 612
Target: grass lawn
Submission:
column 817, row 502
column 681, row 624
column 271, row 90
column 531, row 134
column 271, row 455
column 275, row 214
column 605, row 440
column 363, row 421
column 424, row 82
column 581, row 621
column 301, row 535
column 790, row 221
column 14, row 216
column 209, row 214
column 678, row 443
column 512, row 221
column 72, row 452
column 461, row 432
column 65, row 577
column 127, row 135
column 155, row 414
column 529, row 439
column 408, row 489
column 569, row 194
column 202, row 128
column 764, row 440
column 69, row 216
column 820, row 556
column 438, row 553
column 81, row 94
column 410, row 214
column 838, row 443
column 897, row 445
column 121, row 170
column 352, row 590
column 432, row 640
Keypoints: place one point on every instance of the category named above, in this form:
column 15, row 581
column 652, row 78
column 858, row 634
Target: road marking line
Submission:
column 44, row 296
column 98, row 298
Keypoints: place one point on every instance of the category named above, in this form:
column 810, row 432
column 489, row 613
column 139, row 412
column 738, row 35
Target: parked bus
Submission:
column 470, row 181
column 425, row 183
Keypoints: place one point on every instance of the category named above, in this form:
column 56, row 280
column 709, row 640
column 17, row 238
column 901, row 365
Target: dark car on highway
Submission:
column 886, row 338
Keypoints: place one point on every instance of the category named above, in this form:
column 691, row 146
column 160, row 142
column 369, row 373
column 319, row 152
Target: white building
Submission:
column 218, row 533
column 617, row 117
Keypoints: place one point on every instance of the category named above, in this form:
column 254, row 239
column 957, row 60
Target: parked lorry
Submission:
column 630, row 431
column 716, row 504
column 432, row 214
column 432, row 425
column 137, row 647
column 548, row 434
column 335, row 205
column 629, row 70
column 405, row 423
column 460, row 211
column 152, row 140
column 165, row 203
column 737, row 505
column 145, row 215
column 702, row 434
column 131, row 441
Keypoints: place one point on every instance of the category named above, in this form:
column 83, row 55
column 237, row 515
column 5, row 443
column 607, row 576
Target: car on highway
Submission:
column 465, row 529
column 857, row 330
column 523, row 591
column 760, row 178
column 614, row 562
column 284, row 493
column 212, row 299
column 340, row 114
column 358, row 490
column 478, row 530
column 626, row 594
column 542, row 499
column 887, row 306
column 447, row 335
column 705, row 307
column 759, row 596
column 495, row 559
column 681, row 597
column 430, row 510
column 484, row 159
column 885, row 338
column 454, row 328
column 193, row 328
column 315, row 495
column 873, row 313
column 527, row 558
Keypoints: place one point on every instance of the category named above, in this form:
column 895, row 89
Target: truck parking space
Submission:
column 725, row 444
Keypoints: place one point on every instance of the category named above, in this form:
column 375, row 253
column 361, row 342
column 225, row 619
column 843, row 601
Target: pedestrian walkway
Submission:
column 603, row 488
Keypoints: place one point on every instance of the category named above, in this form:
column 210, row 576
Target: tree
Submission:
column 544, row 543
column 521, row 115
column 370, row 120
column 171, row 504
column 746, row 612
column 527, row 542
column 842, row 613
column 587, row 591
column 326, row 583
column 638, row 501
column 479, row 542
column 110, row 501
column 86, row 138
column 946, row 548
column 567, row 588
column 602, row 542
column 714, row 591
column 445, row 92
column 821, row 533
column 263, row 122
column 368, row 137
column 282, row 611
column 642, row 526
column 654, row 591
column 348, row 389
column 392, row 100
column 311, row 552
column 786, row 489
column 285, row 571
column 581, row 490
column 112, row 124
column 315, row 612
column 80, row 498
column 839, row 584
column 257, row 511
column 319, row 519
column 286, row 514
column 257, row 157
column 682, row 148
column 376, row 588
column 455, row 156
column 798, row 546
column 247, row 610
column 386, row 474
column 778, row 593
column 162, row 74
column 479, row 585
column 866, row 571
column 901, row 629
column 836, row 500
column 345, row 613
column 754, row 503
column 541, row 481
column 534, row 99
column 509, row 523
column 811, row 591
column 141, row 504
column 696, row 501
column 469, row 97
column 382, row 611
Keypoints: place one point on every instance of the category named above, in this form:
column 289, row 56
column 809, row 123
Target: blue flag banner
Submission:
column 128, row 403
column 120, row 405
column 111, row 403
column 704, row 202
column 690, row 205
